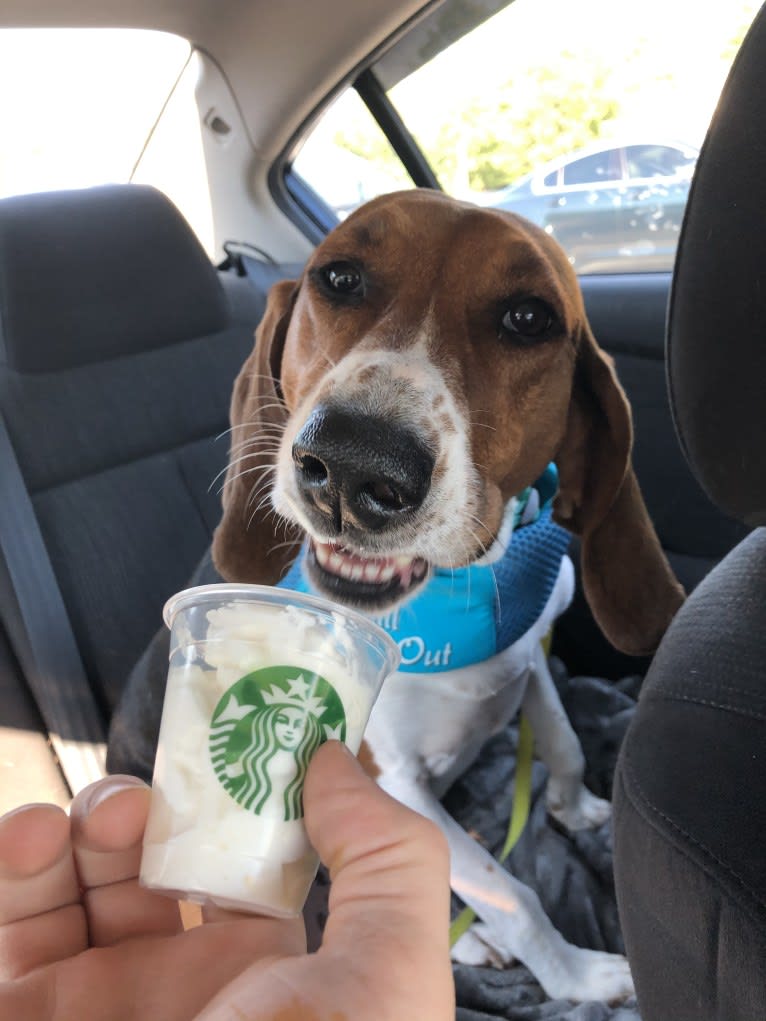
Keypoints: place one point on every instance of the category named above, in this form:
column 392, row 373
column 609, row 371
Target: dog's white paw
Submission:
column 582, row 975
column 565, row 972
column 574, row 806
column 475, row 947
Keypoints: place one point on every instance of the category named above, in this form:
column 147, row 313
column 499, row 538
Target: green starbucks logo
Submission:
column 263, row 733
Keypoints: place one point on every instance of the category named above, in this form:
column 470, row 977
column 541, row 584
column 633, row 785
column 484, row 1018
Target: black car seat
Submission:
column 629, row 323
column 119, row 343
column 690, row 789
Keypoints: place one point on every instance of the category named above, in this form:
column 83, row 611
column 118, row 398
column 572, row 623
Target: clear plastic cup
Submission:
column 258, row 679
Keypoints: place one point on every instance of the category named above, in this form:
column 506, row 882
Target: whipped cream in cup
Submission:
column 258, row 679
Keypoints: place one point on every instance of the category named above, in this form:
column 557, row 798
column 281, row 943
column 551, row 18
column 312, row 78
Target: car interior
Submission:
column 121, row 334
column 688, row 793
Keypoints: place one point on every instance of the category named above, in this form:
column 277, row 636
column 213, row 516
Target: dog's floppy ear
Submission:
column 250, row 544
column 627, row 580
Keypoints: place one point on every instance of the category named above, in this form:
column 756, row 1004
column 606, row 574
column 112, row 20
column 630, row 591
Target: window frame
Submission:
column 294, row 196
column 298, row 200
column 317, row 215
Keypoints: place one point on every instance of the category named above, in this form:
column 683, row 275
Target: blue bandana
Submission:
column 469, row 614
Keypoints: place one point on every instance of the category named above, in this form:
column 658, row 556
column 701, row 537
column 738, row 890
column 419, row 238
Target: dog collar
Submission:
column 469, row 614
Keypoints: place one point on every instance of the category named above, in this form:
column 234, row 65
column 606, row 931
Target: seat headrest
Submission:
column 100, row 273
column 717, row 318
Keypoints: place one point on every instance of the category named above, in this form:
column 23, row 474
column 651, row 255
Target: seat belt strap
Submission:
column 35, row 618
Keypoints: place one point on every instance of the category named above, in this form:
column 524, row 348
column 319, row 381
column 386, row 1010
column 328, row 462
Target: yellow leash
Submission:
column 522, row 797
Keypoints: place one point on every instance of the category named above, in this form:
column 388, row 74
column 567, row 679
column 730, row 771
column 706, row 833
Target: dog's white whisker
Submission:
column 234, row 462
column 280, row 521
column 281, row 545
column 332, row 362
column 484, row 548
column 268, row 431
column 249, row 424
column 250, row 519
column 231, row 479
column 268, row 405
column 257, row 443
column 258, row 484
column 256, row 468
column 261, row 489
column 256, row 501
column 264, row 500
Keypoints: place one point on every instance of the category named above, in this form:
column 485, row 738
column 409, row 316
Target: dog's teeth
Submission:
column 321, row 554
column 375, row 570
column 371, row 572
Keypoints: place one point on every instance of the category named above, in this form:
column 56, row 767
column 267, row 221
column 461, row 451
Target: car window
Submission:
column 102, row 106
column 492, row 92
column 595, row 169
column 347, row 159
column 657, row 161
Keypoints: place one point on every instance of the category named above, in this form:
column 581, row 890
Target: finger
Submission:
column 41, row 918
column 275, row 937
column 108, row 821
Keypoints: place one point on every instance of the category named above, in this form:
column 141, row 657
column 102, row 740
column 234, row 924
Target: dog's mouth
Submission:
column 367, row 582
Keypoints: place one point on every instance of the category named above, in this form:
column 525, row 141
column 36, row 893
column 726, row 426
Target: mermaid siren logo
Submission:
column 263, row 733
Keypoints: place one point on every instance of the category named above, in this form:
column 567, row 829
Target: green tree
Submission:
column 486, row 141
column 733, row 43
column 489, row 141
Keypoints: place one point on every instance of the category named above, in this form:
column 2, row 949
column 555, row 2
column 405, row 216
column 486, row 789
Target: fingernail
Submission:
column 340, row 746
column 346, row 750
column 24, row 808
column 91, row 797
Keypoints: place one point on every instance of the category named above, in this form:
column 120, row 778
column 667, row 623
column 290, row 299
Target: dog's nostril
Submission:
column 383, row 495
column 313, row 470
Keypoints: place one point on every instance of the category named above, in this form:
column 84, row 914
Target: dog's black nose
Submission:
column 360, row 471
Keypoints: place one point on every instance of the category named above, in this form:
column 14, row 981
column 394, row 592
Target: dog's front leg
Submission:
column 514, row 924
column 567, row 798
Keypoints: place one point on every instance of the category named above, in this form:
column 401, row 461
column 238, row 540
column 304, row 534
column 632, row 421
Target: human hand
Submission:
column 80, row 940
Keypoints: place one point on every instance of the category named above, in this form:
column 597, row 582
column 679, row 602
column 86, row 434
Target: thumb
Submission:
column 385, row 953
column 389, row 900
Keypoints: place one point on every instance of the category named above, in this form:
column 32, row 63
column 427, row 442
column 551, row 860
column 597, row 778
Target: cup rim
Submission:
column 373, row 633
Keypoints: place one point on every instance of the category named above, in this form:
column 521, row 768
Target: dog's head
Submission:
column 431, row 361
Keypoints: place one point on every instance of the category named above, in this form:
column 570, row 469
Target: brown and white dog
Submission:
column 431, row 361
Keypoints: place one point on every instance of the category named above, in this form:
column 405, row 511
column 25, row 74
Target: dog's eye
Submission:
column 528, row 318
column 343, row 278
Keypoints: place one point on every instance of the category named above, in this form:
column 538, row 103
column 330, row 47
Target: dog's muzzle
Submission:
column 360, row 479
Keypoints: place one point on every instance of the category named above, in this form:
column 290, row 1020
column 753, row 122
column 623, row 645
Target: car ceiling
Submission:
column 254, row 42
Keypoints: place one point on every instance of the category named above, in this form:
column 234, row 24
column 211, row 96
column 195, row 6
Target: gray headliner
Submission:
column 254, row 42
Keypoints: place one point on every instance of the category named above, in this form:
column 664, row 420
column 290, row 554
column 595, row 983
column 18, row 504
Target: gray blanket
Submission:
column 571, row 873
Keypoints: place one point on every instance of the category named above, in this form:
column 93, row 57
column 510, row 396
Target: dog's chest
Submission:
column 437, row 723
